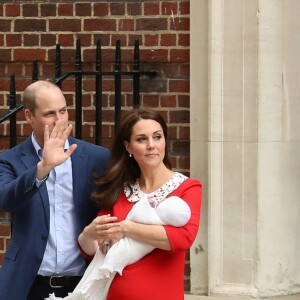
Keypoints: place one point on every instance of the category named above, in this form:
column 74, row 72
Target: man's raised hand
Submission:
column 54, row 153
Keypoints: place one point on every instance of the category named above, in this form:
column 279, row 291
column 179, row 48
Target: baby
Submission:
column 96, row 280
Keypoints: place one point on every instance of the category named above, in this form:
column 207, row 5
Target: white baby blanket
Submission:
column 98, row 276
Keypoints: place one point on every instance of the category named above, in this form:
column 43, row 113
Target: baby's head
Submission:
column 174, row 211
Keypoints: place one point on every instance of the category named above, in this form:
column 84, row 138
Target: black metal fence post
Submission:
column 57, row 65
column 117, row 84
column 35, row 71
column 78, row 92
column 98, row 96
column 13, row 118
column 136, row 75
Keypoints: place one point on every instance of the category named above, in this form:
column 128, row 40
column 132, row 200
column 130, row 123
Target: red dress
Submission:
column 160, row 274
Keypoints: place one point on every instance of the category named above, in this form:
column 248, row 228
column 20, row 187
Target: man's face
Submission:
column 50, row 107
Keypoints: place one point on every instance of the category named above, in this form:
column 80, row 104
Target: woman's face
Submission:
column 147, row 143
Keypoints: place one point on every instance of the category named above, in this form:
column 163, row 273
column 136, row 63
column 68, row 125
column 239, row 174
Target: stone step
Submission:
column 196, row 297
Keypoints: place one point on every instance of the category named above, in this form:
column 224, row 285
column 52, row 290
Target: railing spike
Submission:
column 118, row 94
column 57, row 65
column 78, row 92
column 78, row 55
column 12, row 105
column 136, row 75
column 35, row 71
column 12, row 94
column 98, row 95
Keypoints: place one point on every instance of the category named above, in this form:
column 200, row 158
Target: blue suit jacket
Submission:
column 30, row 213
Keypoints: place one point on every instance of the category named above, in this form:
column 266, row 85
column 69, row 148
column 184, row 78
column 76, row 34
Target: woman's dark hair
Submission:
column 122, row 168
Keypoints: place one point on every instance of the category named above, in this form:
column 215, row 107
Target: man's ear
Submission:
column 28, row 115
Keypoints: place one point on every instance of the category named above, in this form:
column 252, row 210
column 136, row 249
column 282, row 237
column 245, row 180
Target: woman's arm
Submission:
column 154, row 235
column 168, row 237
column 164, row 237
column 182, row 238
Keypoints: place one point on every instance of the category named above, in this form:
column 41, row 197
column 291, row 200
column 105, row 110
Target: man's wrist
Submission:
column 42, row 172
column 38, row 182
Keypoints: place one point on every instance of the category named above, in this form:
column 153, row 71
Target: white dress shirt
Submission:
column 62, row 256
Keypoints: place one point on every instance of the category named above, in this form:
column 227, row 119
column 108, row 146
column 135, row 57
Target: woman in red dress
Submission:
column 140, row 166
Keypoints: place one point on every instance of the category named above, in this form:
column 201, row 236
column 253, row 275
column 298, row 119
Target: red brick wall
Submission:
column 31, row 29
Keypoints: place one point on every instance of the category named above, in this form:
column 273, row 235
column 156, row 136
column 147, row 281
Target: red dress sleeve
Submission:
column 181, row 238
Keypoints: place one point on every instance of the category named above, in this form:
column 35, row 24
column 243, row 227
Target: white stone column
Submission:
column 232, row 147
column 279, row 148
column 199, row 138
column 245, row 146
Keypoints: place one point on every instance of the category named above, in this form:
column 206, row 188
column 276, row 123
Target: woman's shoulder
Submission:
column 189, row 180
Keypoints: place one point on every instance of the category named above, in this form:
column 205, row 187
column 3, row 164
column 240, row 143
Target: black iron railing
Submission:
column 78, row 73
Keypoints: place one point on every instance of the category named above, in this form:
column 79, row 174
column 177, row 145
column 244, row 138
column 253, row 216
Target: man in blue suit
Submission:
column 45, row 184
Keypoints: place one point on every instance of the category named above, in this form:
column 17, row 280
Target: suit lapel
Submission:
column 30, row 159
column 29, row 156
column 79, row 170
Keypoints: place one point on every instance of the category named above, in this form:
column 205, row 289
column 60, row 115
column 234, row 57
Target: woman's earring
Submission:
column 130, row 155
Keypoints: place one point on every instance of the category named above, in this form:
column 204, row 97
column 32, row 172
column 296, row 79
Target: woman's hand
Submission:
column 96, row 232
column 100, row 227
column 112, row 235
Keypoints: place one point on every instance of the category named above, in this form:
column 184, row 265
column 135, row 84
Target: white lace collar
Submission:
column 158, row 195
